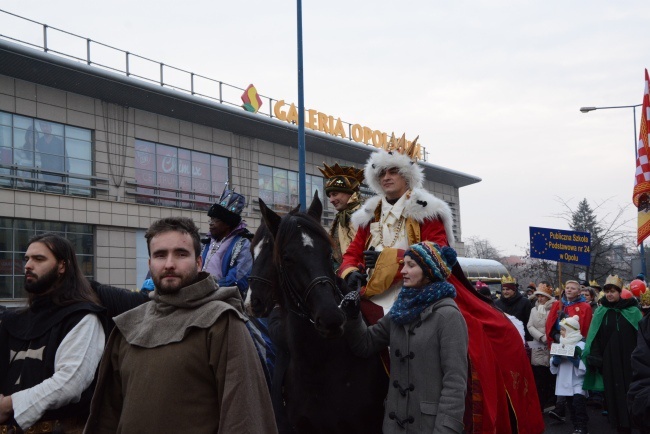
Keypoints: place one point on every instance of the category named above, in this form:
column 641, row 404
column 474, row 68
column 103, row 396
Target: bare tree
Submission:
column 476, row 247
column 610, row 239
column 535, row 270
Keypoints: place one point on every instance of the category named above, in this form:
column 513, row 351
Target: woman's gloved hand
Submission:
column 351, row 305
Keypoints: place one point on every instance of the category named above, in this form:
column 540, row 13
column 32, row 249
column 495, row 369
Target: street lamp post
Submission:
column 302, row 177
column 633, row 107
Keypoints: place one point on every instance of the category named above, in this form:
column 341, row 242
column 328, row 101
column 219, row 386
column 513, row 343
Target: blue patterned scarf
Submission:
column 412, row 301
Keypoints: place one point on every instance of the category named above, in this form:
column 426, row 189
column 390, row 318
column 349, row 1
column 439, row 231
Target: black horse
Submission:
column 326, row 389
column 263, row 281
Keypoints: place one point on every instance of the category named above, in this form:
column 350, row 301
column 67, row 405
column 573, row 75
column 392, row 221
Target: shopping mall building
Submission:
column 98, row 151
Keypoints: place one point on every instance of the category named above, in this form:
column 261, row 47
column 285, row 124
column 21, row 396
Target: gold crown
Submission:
column 508, row 279
column 594, row 284
column 347, row 171
column 404, row 147
column 614, row 280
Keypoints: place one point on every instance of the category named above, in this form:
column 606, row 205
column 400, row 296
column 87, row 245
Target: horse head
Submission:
column 302, row 256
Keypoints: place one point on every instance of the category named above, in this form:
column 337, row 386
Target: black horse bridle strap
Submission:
column 260, row 279
column 299, row 301
column 318, row 281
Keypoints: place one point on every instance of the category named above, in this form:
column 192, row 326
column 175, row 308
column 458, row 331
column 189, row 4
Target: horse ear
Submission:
column 271, row 219
column 316, row 208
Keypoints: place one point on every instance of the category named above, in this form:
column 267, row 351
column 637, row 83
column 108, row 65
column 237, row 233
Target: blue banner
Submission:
column 560, row 246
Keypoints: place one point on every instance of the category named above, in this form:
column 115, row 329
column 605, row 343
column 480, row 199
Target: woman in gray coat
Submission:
column 540, row 355
column 428, row 342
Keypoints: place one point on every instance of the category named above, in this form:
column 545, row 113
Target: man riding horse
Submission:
column 501, row 388
column 342, row 190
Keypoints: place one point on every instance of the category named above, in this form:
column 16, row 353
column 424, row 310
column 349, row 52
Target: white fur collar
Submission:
column 421, row 205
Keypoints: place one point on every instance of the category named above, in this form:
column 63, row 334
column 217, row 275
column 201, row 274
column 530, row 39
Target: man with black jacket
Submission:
column 49, row 352
column 515, row 304
column 608, row 351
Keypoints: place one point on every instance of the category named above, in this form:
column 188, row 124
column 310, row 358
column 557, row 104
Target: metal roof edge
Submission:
column 284, row 132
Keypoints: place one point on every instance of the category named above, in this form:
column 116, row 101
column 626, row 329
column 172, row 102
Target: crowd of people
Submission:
column 184, row 354
column 587, row 347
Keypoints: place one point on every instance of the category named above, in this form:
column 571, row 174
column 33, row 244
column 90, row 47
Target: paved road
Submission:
column 597, row 424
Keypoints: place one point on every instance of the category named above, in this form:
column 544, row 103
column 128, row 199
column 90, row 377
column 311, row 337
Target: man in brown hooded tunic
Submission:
column 184, row 362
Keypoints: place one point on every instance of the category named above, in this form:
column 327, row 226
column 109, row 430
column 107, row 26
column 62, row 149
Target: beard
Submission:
column 167, row 287
column 43, row 283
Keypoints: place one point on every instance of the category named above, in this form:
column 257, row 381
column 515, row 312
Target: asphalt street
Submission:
column 597, row 424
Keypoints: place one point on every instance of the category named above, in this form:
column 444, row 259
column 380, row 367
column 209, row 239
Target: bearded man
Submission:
column 49, row 351
column 186, row 356
column 342, row 190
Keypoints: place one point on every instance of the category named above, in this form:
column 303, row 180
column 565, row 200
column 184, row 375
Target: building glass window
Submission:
column 178, row 177
column 14, row 238
column 41, row 155
column 278, row 188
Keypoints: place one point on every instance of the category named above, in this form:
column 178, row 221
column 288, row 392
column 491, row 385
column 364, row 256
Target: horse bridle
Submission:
column 299, row 301
column 252, row 278
column 262, row 280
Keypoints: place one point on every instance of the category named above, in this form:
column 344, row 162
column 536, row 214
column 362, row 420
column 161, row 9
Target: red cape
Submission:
column 501, row 369
column 501, row 375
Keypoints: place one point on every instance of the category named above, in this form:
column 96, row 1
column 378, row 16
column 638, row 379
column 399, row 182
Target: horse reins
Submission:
column 252, row 278
column 299, row 301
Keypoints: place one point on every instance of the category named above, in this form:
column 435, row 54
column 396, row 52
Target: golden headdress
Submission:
column 508, row 282
column 342, row 178
column 402, row 146
column 614, row 281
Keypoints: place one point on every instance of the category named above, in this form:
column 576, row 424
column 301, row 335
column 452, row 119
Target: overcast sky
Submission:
column 493, row 88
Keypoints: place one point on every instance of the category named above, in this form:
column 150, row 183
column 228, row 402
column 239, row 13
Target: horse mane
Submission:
column 289, row 230
column 261, row 232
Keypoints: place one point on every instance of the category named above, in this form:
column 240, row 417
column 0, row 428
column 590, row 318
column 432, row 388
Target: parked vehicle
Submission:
column 487, row 271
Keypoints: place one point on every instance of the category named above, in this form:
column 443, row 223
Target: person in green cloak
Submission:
column 608, row 351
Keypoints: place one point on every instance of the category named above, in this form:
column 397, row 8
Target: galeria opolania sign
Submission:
column 319, row 121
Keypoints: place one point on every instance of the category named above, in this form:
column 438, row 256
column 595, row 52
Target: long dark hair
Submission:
column 73, row 287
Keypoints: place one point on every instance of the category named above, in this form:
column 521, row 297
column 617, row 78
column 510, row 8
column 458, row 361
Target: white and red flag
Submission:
column 641, row 196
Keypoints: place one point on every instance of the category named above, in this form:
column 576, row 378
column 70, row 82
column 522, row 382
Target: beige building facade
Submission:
column 98, row 156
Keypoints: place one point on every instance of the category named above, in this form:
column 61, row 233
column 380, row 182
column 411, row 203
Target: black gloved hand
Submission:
column 355, row 280
column 351, row 305
column 370, row 257
column 556, row 360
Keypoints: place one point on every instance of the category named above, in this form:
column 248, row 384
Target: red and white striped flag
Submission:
column 641, row 196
